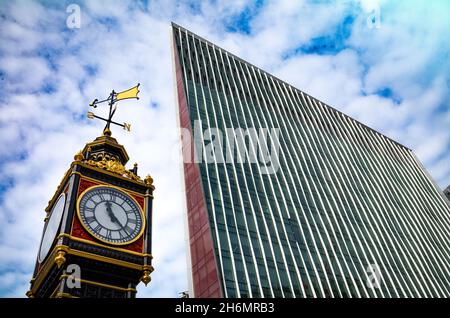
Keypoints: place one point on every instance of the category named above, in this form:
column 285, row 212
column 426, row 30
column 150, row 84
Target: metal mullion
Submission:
column 220, row 190
column 328, row 219
column 247, row 188
column 207, row 172
column 334, row 216
column 285, row 204
column 282, row 250
column 244, row 265
column 441, row 219
column 365, row 204
column 439, row 229
column 425, row 178
column 349, row 199
column 392, row 219
column 339, row 126
column 259, row 173
column 413, row 225
column 278, row 182
column 295, row 190
column 398, row 219
column 237, row 181
column 385, row 223
column 358, row 202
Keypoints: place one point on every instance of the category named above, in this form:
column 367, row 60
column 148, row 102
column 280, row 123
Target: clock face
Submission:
column 51, row 229
column 110, row 215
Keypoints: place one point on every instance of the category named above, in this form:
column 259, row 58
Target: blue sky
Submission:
column 385, row 63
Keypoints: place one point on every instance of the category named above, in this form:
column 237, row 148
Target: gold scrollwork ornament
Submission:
column 114, row 166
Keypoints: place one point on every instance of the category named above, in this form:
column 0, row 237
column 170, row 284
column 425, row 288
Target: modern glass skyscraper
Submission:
column 340, row 210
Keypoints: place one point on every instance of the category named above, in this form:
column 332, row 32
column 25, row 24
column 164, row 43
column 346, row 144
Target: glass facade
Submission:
column 348, row 213
column 447, row 192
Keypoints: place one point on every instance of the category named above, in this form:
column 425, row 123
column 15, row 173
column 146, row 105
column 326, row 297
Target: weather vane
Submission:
column 112, row 100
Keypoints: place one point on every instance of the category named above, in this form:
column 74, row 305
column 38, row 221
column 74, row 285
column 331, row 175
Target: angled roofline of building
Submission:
column 290, row 85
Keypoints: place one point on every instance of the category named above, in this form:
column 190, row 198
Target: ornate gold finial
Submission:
column 107, row 132
column 147, row 269
column 79, row 156
column 148, row 180
column 60, row 259
column 146, row 277
column 29, row 294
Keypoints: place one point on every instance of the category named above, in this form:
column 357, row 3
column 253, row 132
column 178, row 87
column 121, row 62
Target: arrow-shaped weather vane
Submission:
column 112, row 101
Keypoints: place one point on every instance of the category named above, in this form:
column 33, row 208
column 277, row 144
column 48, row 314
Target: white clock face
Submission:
column 110, row 215
column 51, row 229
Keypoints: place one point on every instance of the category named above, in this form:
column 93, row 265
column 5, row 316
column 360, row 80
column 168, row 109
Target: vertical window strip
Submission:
column 333, row 208
column 366, row 208
column 299, row 127
column 241, row 75
column 216, row 228
column 350, row 182
column 292, row 136
column 393, row 206
column 246, row 186
column 243, row 102
column 360, row 247
column 256, row 83
column 247, row 234
column 400, row 201
column 259, row 102
column 351, row 152
column 417, row 226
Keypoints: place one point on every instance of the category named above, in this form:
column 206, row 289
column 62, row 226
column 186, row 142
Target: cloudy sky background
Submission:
column 391, row 71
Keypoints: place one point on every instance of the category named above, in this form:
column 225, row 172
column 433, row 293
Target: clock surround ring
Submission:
column 91, row 233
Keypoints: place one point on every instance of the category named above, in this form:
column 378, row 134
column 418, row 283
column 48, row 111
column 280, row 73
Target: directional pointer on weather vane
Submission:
column 112, row 100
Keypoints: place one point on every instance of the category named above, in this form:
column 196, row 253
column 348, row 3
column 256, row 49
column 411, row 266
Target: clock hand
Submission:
column 111, row 213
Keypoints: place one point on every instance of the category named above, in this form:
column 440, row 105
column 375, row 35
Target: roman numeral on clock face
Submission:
column 122, row 234
column 128, row 230
column 98, row 228
column 88, row 209
column 90, row 219
column 95, row 199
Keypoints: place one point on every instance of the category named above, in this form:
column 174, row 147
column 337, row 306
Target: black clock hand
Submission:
column 111, row 213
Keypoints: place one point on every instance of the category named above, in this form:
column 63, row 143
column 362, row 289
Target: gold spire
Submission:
column 107, row 132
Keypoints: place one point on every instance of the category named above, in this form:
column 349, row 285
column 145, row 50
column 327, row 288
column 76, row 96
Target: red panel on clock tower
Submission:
column 80, row 232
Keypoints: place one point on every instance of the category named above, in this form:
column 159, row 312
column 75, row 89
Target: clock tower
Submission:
column 97, row 234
